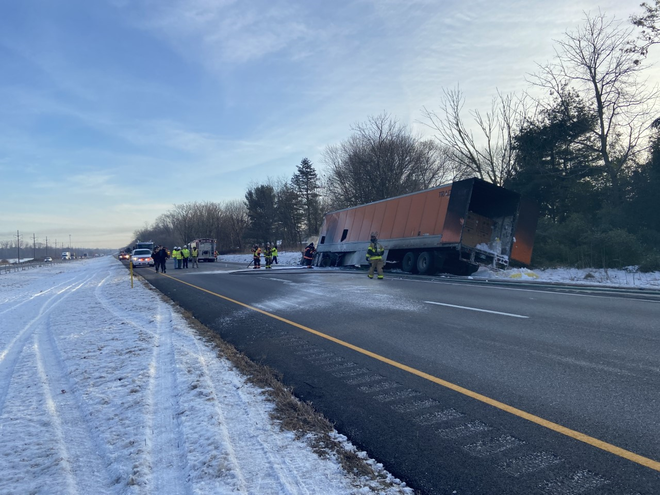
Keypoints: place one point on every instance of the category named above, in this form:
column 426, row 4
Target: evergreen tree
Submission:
column 306, row 184
column 555, row 160
column 262, row 215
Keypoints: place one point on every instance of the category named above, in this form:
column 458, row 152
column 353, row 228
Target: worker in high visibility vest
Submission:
column 185, row 254
column 375, row 254
column 268, row 255
column 256, row 257
column 195, row 254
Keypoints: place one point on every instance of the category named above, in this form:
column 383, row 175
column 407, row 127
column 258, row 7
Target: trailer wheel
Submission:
column 425, row 263
column 409, row 262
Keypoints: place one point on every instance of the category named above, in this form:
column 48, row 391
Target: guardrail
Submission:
column 18, row 267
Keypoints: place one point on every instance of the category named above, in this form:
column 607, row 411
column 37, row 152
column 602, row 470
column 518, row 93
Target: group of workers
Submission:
column 269, row 252
column 181, row 256
column 375, row 253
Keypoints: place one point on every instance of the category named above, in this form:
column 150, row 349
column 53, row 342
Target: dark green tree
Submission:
column 556, row 160
column 289, row 216
column 262, row 216
column 305, row 183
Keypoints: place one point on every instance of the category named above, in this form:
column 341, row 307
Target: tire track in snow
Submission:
column 165, row 439
column 45, row 411
column 226, row 450
column 252, row 451
column 30, row 299
column 85, row 462
column 11, row 353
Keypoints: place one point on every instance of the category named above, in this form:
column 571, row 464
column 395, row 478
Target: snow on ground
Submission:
column 585, row 276
column 107, row 389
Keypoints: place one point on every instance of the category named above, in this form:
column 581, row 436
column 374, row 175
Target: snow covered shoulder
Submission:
column 107, row 389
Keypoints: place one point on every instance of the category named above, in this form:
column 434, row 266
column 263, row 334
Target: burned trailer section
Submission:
column 452, row 228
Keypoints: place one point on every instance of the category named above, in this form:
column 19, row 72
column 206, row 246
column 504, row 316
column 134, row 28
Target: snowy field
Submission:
column 107, row 389
column 595, row 277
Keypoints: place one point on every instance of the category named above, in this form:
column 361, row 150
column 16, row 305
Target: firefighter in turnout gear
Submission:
column 268, row 255
column 256, row 256
column 375, row 254
column 308, row 256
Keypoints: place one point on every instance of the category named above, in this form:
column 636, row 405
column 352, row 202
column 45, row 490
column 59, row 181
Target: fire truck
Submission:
column 206, row 249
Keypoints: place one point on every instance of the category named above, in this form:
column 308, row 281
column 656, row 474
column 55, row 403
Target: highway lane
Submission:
column 575, row 376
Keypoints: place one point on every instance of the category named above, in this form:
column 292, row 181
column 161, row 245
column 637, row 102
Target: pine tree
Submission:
column 306, row 184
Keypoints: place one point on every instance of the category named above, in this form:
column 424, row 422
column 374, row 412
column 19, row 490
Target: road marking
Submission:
column 576, row 435
column 476, row 309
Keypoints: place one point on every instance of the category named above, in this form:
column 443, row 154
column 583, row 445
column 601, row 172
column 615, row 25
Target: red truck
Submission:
column 452, row 228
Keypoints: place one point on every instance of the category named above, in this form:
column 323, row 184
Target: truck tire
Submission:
column 409, row 262
column 425, row 263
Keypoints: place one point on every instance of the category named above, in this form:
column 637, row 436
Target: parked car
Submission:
column 124, row 256
column 142, row 257
column 48, row 259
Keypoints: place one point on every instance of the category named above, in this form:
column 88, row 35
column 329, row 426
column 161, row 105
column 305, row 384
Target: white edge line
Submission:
column 476, row 309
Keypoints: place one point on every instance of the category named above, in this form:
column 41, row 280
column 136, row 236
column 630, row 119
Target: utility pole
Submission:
column 47, row 245
column 18, row 246
column 34, row 247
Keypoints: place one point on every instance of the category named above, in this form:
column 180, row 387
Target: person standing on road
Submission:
column 268, row 255
column 195, row 254
column 174, row 257
column 185, row 254
column 275, row 254
column 256, row 256
column 176, row 254
column 160, row 258
column 154, row 256
column 375, row 254
column 308, row 255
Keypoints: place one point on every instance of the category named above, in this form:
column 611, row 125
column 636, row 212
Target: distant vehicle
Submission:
column 48, row 259
column 124, row 256
column 84, row 255
column 142, row 257
column 144, row 245
column 206, row 249
column 66, row 255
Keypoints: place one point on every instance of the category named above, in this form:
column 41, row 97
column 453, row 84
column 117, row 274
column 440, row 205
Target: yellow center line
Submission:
column 608, row 447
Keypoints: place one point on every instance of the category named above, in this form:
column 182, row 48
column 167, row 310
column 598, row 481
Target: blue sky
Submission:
column 112, row 111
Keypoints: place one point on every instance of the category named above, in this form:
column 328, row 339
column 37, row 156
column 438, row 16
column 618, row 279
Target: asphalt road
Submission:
column 456, row 386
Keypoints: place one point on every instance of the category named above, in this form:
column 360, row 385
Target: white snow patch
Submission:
column 106, row 389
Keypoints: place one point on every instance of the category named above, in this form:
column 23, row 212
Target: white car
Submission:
column 142, row 257
column 48, row 259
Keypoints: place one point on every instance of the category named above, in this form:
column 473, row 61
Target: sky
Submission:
column 113, row 111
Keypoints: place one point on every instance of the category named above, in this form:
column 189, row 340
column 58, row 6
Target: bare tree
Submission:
column 234, row 222
column 650, row 30
column 595, row 61
column 490, row 154
column 381, row 159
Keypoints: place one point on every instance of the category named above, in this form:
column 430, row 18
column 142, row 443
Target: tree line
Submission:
column 583, row 141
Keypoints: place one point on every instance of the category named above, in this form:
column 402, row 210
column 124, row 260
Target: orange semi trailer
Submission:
column 451, row 228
